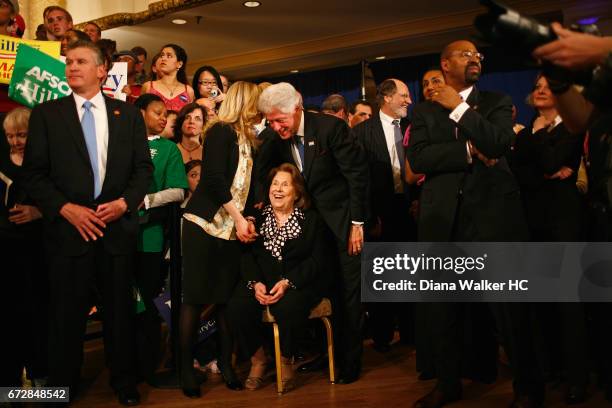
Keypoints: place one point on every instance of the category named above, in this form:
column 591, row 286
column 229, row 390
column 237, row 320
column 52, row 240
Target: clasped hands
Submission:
column 90, row 223
column 276, row 293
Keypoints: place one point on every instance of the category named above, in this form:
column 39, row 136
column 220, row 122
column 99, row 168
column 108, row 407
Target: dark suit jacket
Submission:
column 219, row 164
column 489, row 196
column 304, row 263
column 335, row 171
column 57, row 171
column 371, row 135
column 554, row 208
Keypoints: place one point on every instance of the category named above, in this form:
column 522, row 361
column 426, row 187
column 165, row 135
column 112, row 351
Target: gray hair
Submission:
column 281, row 96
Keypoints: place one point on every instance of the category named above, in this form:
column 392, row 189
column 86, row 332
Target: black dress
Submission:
column 303, row 262
column 23, row 307
column 211, row 265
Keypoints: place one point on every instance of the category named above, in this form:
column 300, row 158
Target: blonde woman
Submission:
column 213, row 226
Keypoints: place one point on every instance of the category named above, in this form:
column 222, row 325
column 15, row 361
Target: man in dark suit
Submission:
column 336, row 175
column 382, row 137
column 459, row 140
column 87, row 166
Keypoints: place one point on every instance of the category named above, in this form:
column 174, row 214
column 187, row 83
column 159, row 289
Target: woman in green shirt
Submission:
column 168, row 186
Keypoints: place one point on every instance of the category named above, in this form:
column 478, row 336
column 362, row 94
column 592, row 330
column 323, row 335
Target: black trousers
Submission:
column 291, row 313
column 348, row 320
column 149, row 281
column 397, row 226
column 24, row 307
column 71, row 281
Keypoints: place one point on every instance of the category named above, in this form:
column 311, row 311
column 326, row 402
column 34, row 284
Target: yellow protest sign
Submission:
column 8, row 51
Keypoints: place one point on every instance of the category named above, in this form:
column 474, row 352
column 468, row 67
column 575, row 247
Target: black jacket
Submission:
column 335, row 170
column 57, row 170
column 489, row 195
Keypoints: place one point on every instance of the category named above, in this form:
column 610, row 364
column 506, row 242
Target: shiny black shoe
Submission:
column 318, row 364
column 190, row 392
column 438, row 398
column 348, row 377
column 576, row 394
column 426, row 376
column 128, row 396
column 229, row 376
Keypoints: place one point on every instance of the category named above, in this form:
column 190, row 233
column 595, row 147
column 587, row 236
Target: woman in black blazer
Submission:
column 214, row 225
column 282, row 270
column 545, row 160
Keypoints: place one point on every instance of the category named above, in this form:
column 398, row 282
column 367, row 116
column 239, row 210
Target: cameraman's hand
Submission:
column 574, row 50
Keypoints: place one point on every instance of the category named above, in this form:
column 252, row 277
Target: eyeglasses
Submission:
column 470, row 54
column 208, row 83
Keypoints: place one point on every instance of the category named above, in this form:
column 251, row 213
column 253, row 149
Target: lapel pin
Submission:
column 311, row 143
column 116, row 112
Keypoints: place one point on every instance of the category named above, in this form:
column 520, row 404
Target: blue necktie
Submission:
column 300, row 146
column 89, row 130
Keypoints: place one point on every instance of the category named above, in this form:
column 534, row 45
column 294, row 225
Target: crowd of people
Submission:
column 276, row 202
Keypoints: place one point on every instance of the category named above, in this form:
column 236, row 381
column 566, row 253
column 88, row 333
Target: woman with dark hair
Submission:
column 188, row 131
column 168, row 186
column 171, row 84
column 282, row 270
column 208, row 89
column 545, row 161
column 213, row 226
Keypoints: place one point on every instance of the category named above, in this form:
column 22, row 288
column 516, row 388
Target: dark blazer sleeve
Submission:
column 142, row 166
column 306, row 271
column 351, row 160
column 37, row 167
column 218, row 149
column 492, row 135
column 431, row 153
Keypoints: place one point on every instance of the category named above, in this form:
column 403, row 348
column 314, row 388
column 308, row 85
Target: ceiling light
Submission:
column 251, row 4
column 382, row 57
column 179, row 21
column 294, row 71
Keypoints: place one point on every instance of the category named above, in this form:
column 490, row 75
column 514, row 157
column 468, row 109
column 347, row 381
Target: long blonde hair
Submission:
column 239, row 110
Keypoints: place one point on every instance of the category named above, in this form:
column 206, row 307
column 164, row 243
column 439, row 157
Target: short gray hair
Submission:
column 281, row 96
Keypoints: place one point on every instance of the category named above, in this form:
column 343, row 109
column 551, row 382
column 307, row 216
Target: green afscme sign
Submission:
column 37, row 77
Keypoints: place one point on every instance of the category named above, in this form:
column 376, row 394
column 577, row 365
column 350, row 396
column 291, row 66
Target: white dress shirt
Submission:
column 101, row 119
column 458, row 112
column 389, row 130
column 294, row 150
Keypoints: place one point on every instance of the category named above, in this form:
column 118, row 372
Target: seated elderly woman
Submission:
column 284, row 270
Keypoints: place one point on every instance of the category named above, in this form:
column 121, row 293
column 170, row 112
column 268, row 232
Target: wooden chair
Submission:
column 321, row 311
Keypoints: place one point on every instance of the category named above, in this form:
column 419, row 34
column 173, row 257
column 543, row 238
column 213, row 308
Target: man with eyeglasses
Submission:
column 459, row 139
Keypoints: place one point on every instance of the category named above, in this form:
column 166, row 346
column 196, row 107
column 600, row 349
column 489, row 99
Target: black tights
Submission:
column 188, row 326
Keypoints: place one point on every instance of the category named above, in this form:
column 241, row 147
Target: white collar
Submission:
column 465, row 94
column 300, row 131
column 384, row 118
column 97, row 100
column 557, row 120
column 153, row 137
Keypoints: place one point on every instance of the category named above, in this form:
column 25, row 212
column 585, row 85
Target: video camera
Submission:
column 520, row 35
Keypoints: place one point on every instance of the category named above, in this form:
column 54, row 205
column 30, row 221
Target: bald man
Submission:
column 459, row 139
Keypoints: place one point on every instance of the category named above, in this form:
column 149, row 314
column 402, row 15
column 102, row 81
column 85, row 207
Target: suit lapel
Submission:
column 71, row 118
column 310, row 147
column 473, row 98
column 380, row 141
